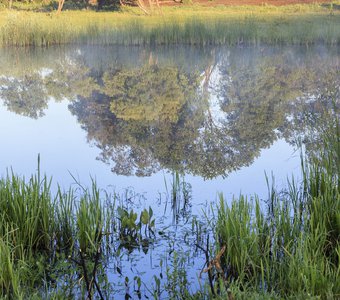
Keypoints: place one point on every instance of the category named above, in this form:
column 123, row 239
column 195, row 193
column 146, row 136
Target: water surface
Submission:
column 131, row 117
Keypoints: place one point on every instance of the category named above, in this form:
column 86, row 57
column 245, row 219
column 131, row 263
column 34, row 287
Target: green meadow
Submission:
column 194, row 25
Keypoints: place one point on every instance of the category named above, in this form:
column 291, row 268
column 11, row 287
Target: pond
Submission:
column 134, row 118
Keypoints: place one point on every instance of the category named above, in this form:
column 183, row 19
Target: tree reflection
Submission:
column 143, row 119
column 25, row 96
column 206, row 119
column 26, row 87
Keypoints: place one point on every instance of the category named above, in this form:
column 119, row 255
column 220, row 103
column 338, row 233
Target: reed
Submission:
column 37, row 230
column 9, row 279
column 65, row 220
column 194, row 26
column 90, row 221
column 27, row 212
column 293, row 249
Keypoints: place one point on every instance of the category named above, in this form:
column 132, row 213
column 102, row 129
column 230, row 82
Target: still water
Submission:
column 130, row 117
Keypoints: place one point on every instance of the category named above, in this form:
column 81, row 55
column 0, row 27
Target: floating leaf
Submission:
column 144, row 217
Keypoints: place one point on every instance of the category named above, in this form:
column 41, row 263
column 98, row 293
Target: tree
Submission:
column 60, row 6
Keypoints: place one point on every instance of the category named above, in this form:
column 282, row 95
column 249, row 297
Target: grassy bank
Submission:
column 298, row 24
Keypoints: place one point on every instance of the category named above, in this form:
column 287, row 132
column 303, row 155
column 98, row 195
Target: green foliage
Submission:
column 32, row 223
column 9, row 277
column 177, row 285
column 146, row 218
column 130, row 228
column 179, row 196
column 25, row 96
column 257, row 98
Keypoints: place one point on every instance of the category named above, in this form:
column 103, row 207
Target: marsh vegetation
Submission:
column 67, row 239
column 259, row 25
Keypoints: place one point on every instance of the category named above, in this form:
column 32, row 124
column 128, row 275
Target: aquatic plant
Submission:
column 130, row 228
column 179, row 196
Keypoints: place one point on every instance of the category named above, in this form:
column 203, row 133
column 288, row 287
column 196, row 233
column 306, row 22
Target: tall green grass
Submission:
column 38, row 230
column 293, row 250
column 26, row 213
column 195, row 26
column 48, row 241
column 9, row 277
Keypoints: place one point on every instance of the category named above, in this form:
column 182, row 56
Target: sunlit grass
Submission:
column 298, row 24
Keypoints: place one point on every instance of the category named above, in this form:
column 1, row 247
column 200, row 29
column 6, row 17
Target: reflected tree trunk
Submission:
column 209, row 70
column 150, row 5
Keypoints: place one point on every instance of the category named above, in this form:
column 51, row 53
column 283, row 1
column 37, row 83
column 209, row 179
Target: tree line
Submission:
column 147, row 6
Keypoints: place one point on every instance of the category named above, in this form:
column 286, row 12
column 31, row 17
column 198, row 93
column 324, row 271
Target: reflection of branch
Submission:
column 159, row 7
column 93, row 280
column 211, row 122
column 207, row 74
column 60, row 6
column 152, row 61
column 83, row 265
column 90, row 282
column 207, row 259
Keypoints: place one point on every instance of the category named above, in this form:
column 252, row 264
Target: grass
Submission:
column 50, row 241
column 294, row 249
column 298, row 24
column 26, row 212
column 37, row 228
